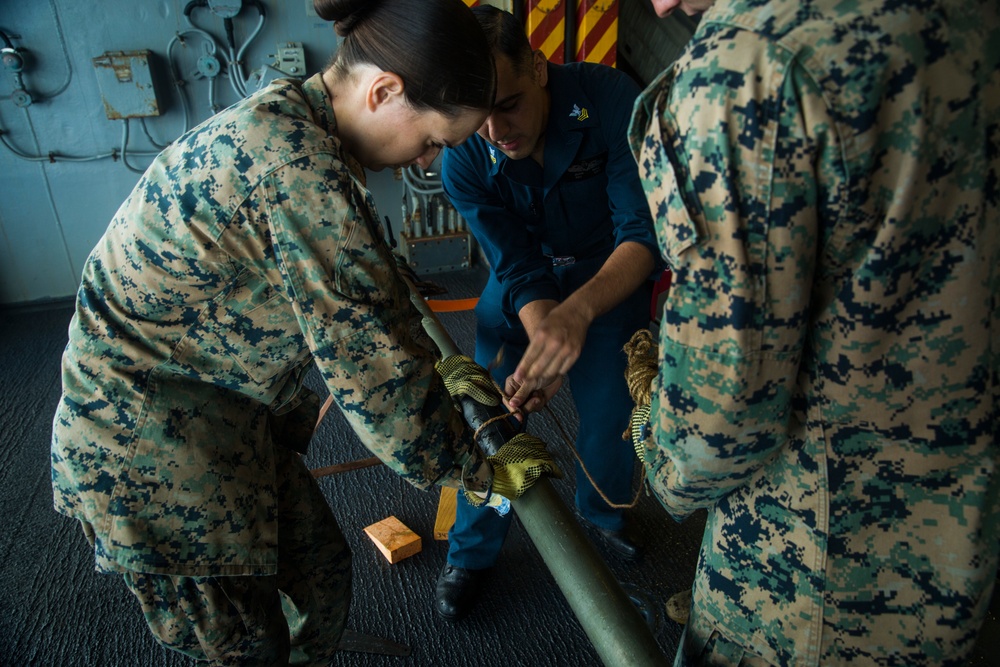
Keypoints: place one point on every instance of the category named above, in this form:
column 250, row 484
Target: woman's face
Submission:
column 406, row 136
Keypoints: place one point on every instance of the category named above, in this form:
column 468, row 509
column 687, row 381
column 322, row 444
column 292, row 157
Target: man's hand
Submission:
column 558, row 331
column 556, row 343
column 530, row 396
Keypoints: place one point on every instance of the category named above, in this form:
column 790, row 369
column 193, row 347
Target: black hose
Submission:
column 189, row 7
column 259, row 6
column 569, row 48
column 230, row 34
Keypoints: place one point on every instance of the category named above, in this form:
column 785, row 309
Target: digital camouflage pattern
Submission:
column 296, row 617
column 249, row 249
column 825, row 179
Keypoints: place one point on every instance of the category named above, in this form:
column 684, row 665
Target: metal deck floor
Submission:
column 55, row 611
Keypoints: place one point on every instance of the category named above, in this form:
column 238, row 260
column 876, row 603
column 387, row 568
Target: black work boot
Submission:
column 456, row 592
column 623, row 542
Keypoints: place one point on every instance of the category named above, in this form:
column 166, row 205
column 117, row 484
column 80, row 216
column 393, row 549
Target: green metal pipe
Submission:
column 611, row 620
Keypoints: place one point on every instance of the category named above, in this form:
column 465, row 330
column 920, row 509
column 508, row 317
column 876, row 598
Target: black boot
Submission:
column 623, row 542
column 457, row 590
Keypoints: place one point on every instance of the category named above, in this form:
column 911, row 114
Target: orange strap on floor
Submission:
column 346, row 467
column 452, row 305
column 322, row 410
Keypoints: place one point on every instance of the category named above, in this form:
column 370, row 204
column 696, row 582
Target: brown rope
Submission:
column 641, row 353
column 640, row 371
column 600, row 492
column 475, row 436
column 566, row 438
column 642, row 367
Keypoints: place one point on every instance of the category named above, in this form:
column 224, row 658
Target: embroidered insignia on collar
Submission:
column 493, row 155
column 578, row 113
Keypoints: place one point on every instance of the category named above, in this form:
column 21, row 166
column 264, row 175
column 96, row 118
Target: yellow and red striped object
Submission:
column 594, row 32
column 545, row 23
column 597, row 31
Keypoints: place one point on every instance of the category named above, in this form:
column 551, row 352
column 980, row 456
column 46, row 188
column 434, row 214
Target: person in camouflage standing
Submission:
column 825, row 182
column 247, row 251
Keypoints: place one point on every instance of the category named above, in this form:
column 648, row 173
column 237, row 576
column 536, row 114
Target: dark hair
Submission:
column 505, row 35
column 435, row 46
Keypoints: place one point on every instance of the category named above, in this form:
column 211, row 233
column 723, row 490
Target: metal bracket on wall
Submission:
column 291, row 59
column 438, row 253
column 126, row 84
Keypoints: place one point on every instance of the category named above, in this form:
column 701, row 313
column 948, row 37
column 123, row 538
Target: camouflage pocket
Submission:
column 265, row 340
column 666, row 178
column 249, row 341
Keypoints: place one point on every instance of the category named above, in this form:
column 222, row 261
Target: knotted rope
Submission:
column 464, row 377
column 640, row 369
column 642, row 366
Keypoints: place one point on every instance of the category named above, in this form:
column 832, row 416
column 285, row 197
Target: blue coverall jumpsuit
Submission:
column 545, row 232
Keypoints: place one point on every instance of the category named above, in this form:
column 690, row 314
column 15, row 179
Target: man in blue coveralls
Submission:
column 552, row 194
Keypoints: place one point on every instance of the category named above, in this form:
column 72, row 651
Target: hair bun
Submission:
column 345, row 13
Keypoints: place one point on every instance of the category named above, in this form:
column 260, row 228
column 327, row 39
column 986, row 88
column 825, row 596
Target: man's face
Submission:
column 664, row 8
column 516, row 125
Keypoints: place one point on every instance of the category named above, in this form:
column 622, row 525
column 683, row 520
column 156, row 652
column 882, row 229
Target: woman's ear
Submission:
column 383, row 88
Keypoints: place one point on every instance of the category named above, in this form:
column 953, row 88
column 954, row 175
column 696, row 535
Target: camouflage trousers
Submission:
column 702, row 646
column 295, row 617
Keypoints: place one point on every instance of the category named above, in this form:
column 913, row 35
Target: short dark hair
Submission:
column 505, row 35
column 435, row 46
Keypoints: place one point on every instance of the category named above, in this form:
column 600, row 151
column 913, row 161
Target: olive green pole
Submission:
column 611, row 620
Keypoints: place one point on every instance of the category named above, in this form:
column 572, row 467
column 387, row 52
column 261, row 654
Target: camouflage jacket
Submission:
column 249, row 249
column 824, row 183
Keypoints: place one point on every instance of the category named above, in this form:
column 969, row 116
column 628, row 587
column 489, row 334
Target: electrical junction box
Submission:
column 291, row 59
column 126, row 84
column 438, row 253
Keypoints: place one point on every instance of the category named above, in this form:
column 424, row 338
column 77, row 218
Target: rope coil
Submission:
column 642, row 354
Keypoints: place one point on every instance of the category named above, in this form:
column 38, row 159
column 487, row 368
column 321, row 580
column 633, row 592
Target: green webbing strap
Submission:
column 464, row 377
column 519, row 463
column 640, row 430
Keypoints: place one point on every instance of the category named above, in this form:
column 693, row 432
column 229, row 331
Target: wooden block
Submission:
column 394, row 539
column 446, row 512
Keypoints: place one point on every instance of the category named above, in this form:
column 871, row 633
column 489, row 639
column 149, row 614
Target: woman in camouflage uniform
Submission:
column 247, row 251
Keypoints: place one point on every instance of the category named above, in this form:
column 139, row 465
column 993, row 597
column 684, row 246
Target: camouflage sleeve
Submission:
column 324, row 252
column 729, row 166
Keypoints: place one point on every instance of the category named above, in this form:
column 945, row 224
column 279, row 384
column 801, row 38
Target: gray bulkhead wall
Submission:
column 56, row 100
column 76, row 76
